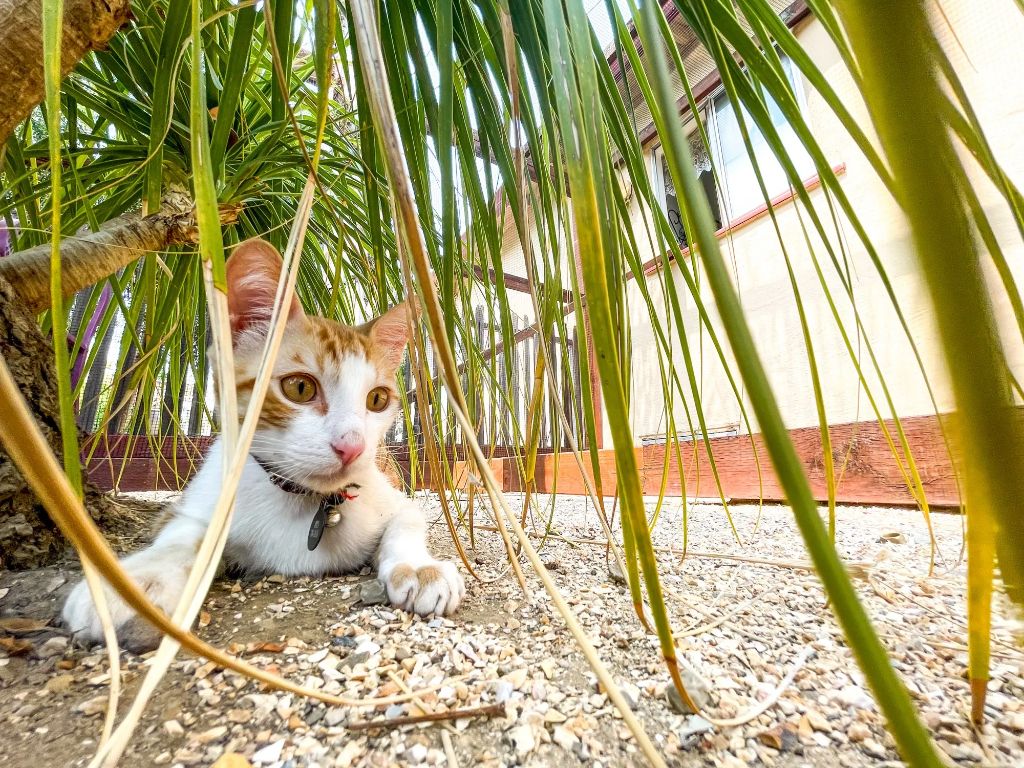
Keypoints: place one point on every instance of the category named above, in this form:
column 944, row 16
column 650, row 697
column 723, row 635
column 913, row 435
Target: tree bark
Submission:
column 88, row 25
column 89, row 258
column 28, row 538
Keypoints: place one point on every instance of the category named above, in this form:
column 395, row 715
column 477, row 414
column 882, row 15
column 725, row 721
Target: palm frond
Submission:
column 490, row 158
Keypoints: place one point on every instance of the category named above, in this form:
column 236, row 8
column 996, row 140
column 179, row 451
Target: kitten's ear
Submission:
column 252, row 274
column 389, row 334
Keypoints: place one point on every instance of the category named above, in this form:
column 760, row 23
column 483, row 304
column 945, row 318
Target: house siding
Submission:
column 982, row 41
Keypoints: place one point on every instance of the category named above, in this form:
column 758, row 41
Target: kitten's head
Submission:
column 333, row 393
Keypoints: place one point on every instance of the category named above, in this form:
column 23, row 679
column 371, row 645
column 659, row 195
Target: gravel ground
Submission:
column 743, row 625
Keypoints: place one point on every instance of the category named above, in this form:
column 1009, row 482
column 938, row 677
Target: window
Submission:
column 707, row 179
column 740, row 193
column 740, row 190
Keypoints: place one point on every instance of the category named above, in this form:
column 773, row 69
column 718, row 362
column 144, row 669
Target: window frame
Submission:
column 707, row 113
column 690, row 127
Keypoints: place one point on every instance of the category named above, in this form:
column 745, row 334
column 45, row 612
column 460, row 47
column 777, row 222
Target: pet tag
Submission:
column 316, row 528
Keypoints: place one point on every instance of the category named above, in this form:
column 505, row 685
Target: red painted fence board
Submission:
column 134, row 463
column 866, row 470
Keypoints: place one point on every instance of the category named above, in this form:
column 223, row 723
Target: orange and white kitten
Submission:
column 330, row 401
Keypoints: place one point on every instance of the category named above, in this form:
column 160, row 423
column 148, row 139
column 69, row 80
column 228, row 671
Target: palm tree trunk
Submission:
column 28, row 538
column 88, row 25
column 84, row 260
column 87, row 259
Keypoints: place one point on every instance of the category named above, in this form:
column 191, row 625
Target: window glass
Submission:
column 740, row 192
column 702, row 164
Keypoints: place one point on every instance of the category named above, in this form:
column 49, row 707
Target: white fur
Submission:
column 268, row 533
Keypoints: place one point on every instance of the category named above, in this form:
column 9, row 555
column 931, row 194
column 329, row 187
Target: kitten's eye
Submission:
column 378, row 398
column 299, row 388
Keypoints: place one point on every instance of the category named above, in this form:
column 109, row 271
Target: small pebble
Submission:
column 173, row 728
column 858, row 732
column 372, row 592
column 269, row 754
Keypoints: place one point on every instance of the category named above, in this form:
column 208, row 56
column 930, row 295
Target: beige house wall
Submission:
column 987, row 54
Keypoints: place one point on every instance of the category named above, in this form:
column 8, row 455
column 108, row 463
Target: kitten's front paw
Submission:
column 436, row 588
column 162, row 586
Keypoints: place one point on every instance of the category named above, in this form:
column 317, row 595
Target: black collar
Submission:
column 327, row 501
column 290, row 486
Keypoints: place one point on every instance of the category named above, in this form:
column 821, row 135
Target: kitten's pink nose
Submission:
column 348, row 447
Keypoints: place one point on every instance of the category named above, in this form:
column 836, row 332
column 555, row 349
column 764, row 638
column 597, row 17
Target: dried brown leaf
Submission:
column 883, row 591
column 14, row 646
column 19, row 625
column 268, row 647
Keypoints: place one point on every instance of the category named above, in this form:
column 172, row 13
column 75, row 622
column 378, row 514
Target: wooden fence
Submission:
column 134, row 451
column 136, row 447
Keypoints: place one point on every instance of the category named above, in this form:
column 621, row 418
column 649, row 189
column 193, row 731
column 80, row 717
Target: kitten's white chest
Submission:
column 270, row 529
